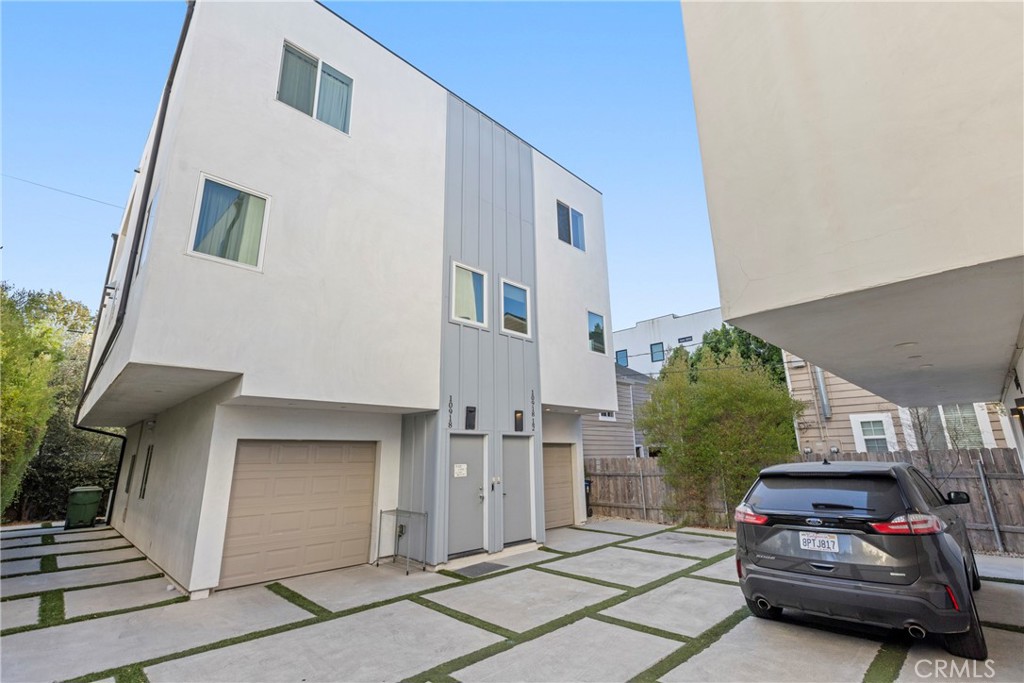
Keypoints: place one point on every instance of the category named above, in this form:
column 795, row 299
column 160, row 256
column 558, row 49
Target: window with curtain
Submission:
column 514, row 309
column 230, row 223
column 468, row 295
column 309, row 85
column 570, row 226
column 962, row 425
column 596, row 331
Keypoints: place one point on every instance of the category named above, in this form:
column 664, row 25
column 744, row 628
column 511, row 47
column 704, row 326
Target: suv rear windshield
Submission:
column 856, row 495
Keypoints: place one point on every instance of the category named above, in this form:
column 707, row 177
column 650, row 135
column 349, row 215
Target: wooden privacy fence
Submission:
column 991, row 477
column 635, row 488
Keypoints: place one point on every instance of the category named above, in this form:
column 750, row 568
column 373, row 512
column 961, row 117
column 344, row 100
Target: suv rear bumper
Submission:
column 865, row 603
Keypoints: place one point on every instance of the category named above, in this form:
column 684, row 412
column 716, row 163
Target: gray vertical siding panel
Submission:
column 471, row 190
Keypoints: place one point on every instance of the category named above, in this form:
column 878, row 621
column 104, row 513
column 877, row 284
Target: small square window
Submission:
column 468, row 296
column 515, row 308
column 230, row 224
column 622, row 358
column 570, row 226
column 596, row 331
column 657, row 352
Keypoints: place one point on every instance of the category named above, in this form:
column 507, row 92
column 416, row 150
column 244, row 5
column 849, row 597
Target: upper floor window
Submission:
column 309, row 85
column 657, row 352
column 570, row 226
column 595, row 324
column 622, row 358
column 515, row 307
column 230, row 223
column 468, row 296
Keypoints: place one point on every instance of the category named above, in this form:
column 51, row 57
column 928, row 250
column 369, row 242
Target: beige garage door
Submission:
column 298, row 507
column 558, row 499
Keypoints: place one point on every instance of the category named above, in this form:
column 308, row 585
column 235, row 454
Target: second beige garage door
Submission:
column 558, row 498
column 298, row 507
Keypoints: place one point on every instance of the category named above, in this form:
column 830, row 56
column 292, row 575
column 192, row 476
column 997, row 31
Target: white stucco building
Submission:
column 646, row 346
column 339, row 289
column 864, row 166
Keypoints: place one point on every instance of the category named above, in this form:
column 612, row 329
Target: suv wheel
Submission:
column 764, row 612
column 971, row 643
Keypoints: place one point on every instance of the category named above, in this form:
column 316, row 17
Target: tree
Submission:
column 717, row 423
column 28, row 353
column 720, row 343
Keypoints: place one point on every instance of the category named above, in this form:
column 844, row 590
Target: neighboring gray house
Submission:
column 615, row 433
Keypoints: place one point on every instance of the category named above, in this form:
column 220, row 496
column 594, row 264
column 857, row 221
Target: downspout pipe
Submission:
column 140, row 223
column 826, row 407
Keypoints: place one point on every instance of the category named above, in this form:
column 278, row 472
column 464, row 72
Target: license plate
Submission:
column 824, row 543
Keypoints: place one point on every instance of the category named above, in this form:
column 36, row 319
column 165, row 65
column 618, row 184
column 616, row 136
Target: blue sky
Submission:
column 601, row 87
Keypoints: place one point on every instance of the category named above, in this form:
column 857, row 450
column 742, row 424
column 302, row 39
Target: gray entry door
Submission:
column 515, row 479
column 466, row 494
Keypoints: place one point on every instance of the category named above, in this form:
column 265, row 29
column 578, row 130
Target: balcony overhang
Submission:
column 141, row 391
column 943, row 338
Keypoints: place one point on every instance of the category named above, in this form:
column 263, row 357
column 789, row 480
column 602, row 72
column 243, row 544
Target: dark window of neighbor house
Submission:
column 657, row 352
column 622, row 358
column 596, row 331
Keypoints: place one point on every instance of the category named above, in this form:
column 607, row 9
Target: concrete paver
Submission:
column 621, row 566
column 117, row 597
column 342, row 589
column 724, row 571
column 101, row 557
column 627, row 527
column 63, row 548
column 1001, row 603
column 15, row 613
column 85, row 647
column 927, row 661
column 683, row 544
column 710, row 532
column 753, row 651
column 76, row 536
column 684, row 606
column 587, row 650
column 1001, row 567
column 522, row 600
column 12, row 567
column 570, row 540
column 20, row 542
column 25, row 532
column 389, row 643
column 73, row 578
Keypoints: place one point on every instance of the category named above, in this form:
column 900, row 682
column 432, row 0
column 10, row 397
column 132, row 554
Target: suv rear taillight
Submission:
column 746, row 514
column 910, row 525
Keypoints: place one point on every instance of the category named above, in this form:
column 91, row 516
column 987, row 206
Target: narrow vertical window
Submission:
column 468, row 297
column 570, row 226
column 622, row 358
column 596, row 331
column 657, row 352
column 577, row 231
column 298, row 80
column 564, row 228
column 335, row 93
column 515, row 316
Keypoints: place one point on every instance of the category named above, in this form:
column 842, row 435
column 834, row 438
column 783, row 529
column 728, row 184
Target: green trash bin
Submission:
column 83, row 503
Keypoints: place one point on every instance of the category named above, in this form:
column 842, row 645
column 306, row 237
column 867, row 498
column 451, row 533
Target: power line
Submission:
column 57, row 189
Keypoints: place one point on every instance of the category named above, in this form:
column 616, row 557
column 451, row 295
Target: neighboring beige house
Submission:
column 615, row 433
column 842, row 415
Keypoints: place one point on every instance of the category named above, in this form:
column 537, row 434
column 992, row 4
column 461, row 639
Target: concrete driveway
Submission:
column 617, row 601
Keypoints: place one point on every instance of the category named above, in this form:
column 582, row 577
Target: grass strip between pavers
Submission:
column 297, row 599
column 1003, row 627
column 712, row 579
column 888, row 663
column 463, row 617
column 601, row 531
column 69, row 552
column 48, row 565
column 94, row 615
column 642, row 628
column 704, row 535
column 586, row 579
column 999, row 579
column 48, row 539
column 694, row 647
column 664, row 553
column 51, row 608
column 131, row 674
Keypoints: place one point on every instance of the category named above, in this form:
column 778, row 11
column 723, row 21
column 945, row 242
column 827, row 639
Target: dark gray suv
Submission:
column 874, row 543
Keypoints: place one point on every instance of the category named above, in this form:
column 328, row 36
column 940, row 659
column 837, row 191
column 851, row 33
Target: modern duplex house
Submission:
column 646, row 346
column 338, row 289
column 847, row 417
column 864, row 166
